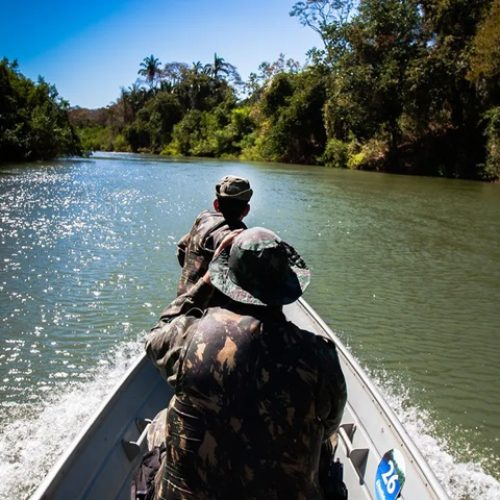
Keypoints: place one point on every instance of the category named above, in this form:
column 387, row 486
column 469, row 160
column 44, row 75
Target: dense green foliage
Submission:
column 409, row 86
column 34, row 121
column 407, row 91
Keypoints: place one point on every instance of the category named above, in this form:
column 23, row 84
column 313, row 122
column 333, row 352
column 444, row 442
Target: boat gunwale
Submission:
column 379, row 400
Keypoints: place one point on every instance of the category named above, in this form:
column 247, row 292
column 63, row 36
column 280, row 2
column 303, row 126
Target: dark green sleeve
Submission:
column 182, row 245
column 333, row 391
column 167, row 339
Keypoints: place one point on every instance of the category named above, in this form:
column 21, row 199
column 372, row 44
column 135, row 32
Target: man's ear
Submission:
column 216, row 205
column 245, row 212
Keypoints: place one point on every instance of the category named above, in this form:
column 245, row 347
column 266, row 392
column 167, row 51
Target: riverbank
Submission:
column 369, row 99
column 34, row 123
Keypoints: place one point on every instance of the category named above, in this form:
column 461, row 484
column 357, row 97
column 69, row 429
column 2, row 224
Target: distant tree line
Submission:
column 34, row 122
column 408, row 86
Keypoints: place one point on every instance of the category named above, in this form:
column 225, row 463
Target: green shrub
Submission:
column 368, row 156
column 120, row 144
column 95, row 138
column 335, row 154
column 171, row 149
column 491, row 169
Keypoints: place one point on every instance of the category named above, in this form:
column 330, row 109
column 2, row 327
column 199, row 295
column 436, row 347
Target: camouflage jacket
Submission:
column 196, row 248
column 255, row 396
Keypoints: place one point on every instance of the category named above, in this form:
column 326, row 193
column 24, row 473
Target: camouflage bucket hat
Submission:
column 236, row 188
column 260, row 269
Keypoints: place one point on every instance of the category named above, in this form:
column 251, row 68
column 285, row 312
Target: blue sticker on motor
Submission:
column 390, row 476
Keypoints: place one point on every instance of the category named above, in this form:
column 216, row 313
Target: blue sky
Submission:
column 89, row 49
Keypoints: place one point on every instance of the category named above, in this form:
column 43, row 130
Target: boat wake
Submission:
column 30, row 445
column 461, row 479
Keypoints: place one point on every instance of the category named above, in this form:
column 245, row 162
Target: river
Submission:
column 405, row 269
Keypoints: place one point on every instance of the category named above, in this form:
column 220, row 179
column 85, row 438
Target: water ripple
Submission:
column 407, row 270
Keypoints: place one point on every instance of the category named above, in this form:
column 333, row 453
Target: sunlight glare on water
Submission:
column 405, row 270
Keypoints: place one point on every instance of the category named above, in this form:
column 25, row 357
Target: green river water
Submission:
column 406, row 270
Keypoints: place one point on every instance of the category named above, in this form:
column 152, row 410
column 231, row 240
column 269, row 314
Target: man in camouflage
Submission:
column 255, row 396
column 195, row 249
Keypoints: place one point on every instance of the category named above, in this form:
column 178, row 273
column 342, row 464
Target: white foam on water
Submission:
column 462, row 480
column 29, row 447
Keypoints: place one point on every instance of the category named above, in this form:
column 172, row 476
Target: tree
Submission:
column 484, row 69
column 291, row 119
column 134, row 97
column 484, row 73
column 34, row 122
column 266, row 72
column 446, row 105
column 382, row 39
column 328, row 18
column 174, row 73
column 197, row 67
column 222, row 70
column 150, row 68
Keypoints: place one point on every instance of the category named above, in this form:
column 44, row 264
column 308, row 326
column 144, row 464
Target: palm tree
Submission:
column 150, row 68
column 133, row 99
column 219, row 68
column 197, row 67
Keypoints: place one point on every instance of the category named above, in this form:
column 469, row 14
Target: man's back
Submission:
column 195, row 249
column 255, row 398
column 199, row 244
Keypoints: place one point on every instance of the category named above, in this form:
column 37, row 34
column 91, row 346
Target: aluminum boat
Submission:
column 380, row 460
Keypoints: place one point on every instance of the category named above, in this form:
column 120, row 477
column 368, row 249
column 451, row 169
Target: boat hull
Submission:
column 98, row 464
column 103, row 458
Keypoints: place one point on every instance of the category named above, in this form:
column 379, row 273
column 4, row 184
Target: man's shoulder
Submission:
column 276, row 322
column 312, row 343
column 205, row 221
column 219, row 316
column 208, row 215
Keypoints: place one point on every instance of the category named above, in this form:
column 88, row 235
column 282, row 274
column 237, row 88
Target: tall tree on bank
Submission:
column 484, row 73
column 150, row 68
column 220, row 69
column 382, row 39
column 400, row 95
column 328, row 18
column 446, row 107
column 34, row 121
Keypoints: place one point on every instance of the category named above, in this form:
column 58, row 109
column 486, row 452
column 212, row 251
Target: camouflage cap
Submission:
column 236, row 188
column 260, row 269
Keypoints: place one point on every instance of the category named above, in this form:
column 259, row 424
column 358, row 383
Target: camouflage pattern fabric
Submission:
column 173, row 332
column 260, row 268
column 231, row 186
column 255, row 397
column 195, row 249
column 157, row 430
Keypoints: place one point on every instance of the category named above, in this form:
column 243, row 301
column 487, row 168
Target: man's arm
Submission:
column 176, row 326
column 182, row 245
column 333, row 393
column 184, row 242
column 173, row 331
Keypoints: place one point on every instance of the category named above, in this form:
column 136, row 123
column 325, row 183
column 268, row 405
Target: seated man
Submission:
column 195, row 249
column 255, row 396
